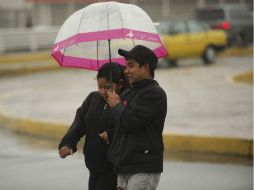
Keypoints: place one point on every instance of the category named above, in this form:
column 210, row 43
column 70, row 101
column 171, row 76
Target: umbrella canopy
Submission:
column 92, row 36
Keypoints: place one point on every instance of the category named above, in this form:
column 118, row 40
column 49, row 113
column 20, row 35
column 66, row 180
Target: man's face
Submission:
column 134, row 72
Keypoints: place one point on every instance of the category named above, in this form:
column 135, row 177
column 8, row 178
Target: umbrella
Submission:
column 92, row 36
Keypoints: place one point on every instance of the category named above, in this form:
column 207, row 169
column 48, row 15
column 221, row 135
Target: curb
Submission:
column 176, row 147
column 26, row 70
column 237, row 51
column 25, row 63
column 26, row 57
column 244, row 78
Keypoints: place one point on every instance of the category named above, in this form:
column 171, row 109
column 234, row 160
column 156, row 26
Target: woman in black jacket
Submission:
column 93, row 120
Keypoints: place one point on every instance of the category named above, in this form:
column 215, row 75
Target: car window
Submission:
column 177, row 27
column 210, row 14
column 195, row 27
column 205, row 26
column 163, row 27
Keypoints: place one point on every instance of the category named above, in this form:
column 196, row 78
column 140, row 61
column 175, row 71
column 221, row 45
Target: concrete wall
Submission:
column 14, row 13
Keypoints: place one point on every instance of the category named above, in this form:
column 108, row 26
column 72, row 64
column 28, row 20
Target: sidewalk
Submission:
column 192, row 147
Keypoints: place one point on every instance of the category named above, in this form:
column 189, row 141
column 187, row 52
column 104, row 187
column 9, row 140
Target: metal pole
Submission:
column 165, row 9
column 110, row 71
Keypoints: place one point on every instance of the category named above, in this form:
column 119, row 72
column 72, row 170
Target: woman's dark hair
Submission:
column 117, row 71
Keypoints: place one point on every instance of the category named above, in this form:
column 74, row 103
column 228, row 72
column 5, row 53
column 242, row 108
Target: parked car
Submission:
column 235, row 19
column 191, row 38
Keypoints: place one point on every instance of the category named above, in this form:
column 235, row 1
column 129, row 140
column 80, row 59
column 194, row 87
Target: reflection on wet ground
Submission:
column 37, row 143
column 30, row 163
column 34, row 143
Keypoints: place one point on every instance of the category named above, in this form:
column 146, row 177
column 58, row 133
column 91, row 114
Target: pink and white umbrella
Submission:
column 92, row 36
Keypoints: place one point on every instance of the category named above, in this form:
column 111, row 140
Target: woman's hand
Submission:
column 104, row 136
column 65, row 151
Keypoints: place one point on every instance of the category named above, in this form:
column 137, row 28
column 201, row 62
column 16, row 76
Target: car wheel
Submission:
column 209, row 55
column 172, row 63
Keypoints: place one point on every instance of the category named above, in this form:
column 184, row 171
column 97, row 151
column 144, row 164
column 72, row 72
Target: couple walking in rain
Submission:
column 122, row 123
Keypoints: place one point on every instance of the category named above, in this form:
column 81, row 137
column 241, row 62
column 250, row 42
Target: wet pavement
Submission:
column 27, row 166
column 202, row 100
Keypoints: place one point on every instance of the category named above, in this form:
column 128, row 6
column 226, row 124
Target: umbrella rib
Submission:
column 133, row 42
column 83, row 12
column 108, row 16
column 121, row 17
column 81, row 20
column 97, row 53
column 110, row 70
column 63, row 55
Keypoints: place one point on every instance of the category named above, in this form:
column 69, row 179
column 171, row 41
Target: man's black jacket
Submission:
column 137, row 145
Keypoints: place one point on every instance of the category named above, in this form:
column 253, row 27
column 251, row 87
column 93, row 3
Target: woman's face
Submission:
column 105, row 85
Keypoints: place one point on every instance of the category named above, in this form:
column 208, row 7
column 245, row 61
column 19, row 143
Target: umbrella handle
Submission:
column 109, row 51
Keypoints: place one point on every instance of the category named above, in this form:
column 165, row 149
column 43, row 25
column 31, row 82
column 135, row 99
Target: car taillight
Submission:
column 224, row 25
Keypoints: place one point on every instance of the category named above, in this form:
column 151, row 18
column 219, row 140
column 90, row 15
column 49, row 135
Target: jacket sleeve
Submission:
column 77, row 128
column 139, row 114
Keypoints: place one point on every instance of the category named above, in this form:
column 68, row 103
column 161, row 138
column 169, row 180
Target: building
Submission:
column 33, row 24
column 39, row 13
column 15, row 13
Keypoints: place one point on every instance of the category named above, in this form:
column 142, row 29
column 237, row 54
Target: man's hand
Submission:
column 113, row 98
column 104, row 136
column 65, row 151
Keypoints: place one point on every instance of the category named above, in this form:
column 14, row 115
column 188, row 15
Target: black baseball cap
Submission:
column 141, row 54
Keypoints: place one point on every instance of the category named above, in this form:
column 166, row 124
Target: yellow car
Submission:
column 190, row 38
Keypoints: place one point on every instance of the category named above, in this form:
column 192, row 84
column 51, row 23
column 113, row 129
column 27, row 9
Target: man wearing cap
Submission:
column 139, row 114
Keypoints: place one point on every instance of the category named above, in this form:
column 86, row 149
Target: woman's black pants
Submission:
column 102, row 181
